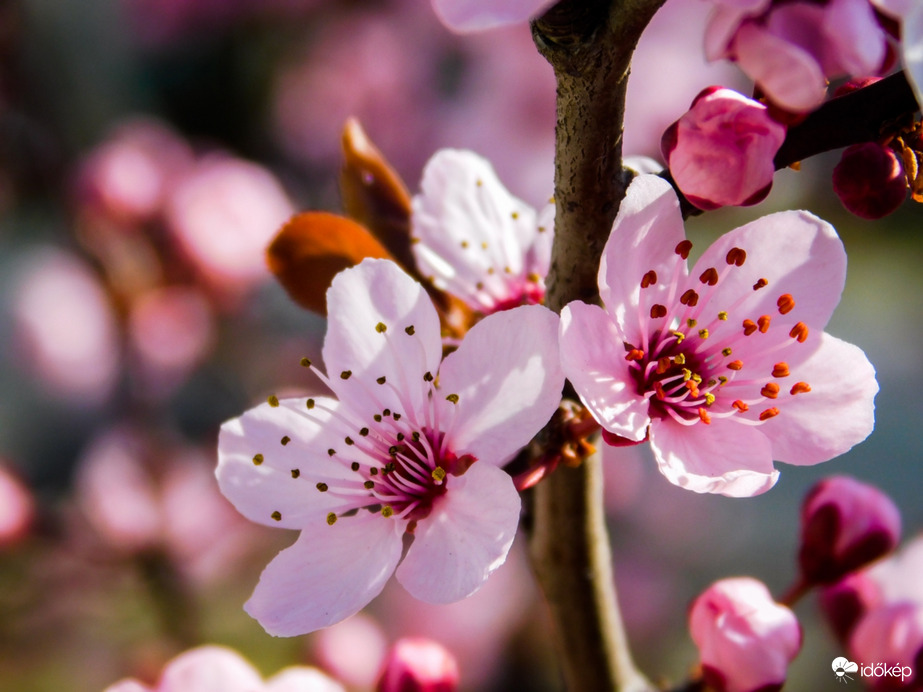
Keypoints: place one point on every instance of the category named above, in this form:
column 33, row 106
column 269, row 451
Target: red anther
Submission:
column 736, row 256
column 658, row 389
column 749, row 327
column 663, row 364
column 769, row 413
column 704, row 417
column 763, row 322
column 634, row 354
column 709, row 276
column 762, row 283
column 770, row 390
column 740, row 406
column 736, row 365
column 690, row 298
column 780, row 370
column 785, row 303
column 649, row 279
column 800, row 332
column 692, row 386
column 800, row 388
column 658, row 311
column 683, row 248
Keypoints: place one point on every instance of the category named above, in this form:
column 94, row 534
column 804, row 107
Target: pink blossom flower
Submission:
column 218, row 669
column 721, row 151
column 478, row 15
column 791, row 49
column 419, row 665
column 746, row 640
column 725, row 367
column 910, row 14
column 845, row 524
column 892, row 636
column 475, row 239
column 410, row 448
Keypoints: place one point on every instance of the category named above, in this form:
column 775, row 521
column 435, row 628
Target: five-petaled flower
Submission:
column 409, row 451
column 725, row 367
column 475, row 240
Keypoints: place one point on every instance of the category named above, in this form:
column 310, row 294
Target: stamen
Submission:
column 736, row 365
column 703, row 333
column 691, row 323
column 770, row 390
column 736, row 256
column 683, row 248
column 285, row 440
column 709, row 276
column 740, row 406
column 704, row 417
column 749, row 327
column 409, row 330
column 800, row 388
column 322, row 487
column 277, row 515
column 762, row 283
column 272, row 400
column 649, row 279
column 381, row 328
column 690, row 298
column 799, row 332
column 769, row 413
column 331, row 519
column 257, row 459
column 780, row 370
column 785, row 303
column 387, row 511
column 726, row 351
column 634, row 354
column 381, row 380
column 309, row 403
column 763, row 323
column 438, row 474
column 723, row 316
column 346, row 374
column 305, row 362
column 658, row 311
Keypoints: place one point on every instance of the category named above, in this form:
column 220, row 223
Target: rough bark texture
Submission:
column 589, row 44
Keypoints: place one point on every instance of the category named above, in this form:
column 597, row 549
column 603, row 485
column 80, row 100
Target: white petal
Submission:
column 478, row 15
column 464, row 539
column 593, row 358
column 259, row 490
column 724, row 457
column 330, row 573
column 912, row 40
column 302, row 679
column 210, row 669
column 508, row 378
column 370, row 309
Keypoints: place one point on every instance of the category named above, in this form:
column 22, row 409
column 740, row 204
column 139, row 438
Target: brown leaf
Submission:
column 312, row 248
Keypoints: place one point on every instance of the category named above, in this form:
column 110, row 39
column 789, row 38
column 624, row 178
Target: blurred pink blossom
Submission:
column 17, row 508
column 474, row 239
column 415, row 664
column 66, row 326
column 910, row 14
column 721, row 151
column 746, row 640
column 392, row 455
column 891, row 635
column 845, row 525
column 791, row 49
column 478, row 15
column 353, row 650
column 722, row 375
column 870, row 180
column 219, row 669
column 223, row 212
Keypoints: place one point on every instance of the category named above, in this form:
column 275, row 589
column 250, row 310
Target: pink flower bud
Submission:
column 845, row 524
column 721, row 152
column 746, row 640
column 418, row 665
column 869, row 180
column 891, row 637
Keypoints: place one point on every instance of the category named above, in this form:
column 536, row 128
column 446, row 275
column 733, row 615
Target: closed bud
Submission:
column 869, row 180
column 845, row 524
column 418, row 665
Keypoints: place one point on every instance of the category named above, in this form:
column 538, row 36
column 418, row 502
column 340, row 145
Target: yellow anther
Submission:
column 381, row 327
column 722, row 316
column 273, row 400
column 277, row 515
column 257, row 459
column 709, row 399
column 438, row 474
column 703, row 333
column 387, row 511
column 680, row 359
column 331, row 519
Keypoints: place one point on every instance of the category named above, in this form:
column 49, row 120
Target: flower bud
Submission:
column 721, row 152
column 746, row 640
column 892, row 638
column 845, row 524
column 418, row 665
column 869, row 180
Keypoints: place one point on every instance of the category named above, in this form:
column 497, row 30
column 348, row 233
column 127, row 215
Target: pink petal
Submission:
column 724, row 457
column 381, row 324
column 260, row 490
column 853, row 37
column 508, row 379
column 594, row 361
column 329, row 573
column 723, row 24
column 789, row 75
column 469, row 229
column 837, row 413
column 912, row 41
column 644, row 237
column 302, row 679
column 209, row 669
column 477, row 15
column 465, row 537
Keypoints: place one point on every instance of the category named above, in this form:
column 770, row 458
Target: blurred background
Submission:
column 149, row 149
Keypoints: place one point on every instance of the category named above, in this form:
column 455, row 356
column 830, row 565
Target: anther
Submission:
column 800, row 388
column 331, row 519
column 374, row 470
column 658, row 310
column 349, row 441
column 428, row 376
column 296, row 473
column 690, row 298
column 736, row 256
column 285, row 440
column 703, row 333
column 679, row 336
column 400, row 437
column 709, row 276
column 687, row 374
column 514, row 215
column 799, row 332
column 658, row 390
column 364, row 432
column 396, row 416
column 257, row 459
column 649, row 279
column 740, row 406
column 416, row 436
column 386, row 412
column 762, row 283
column 709, row 399
column 683, row 248
column 691, row 323
column 381, row 380
column 704, row 417
column 763, row 323
column 769, row 413
column 381, row 327
column 368, row 485
column 322, row 487
column 780, row 370
column 438, row 474
column 409, row 330
column 272, row 400
column 770, row 390
column 354, row 466
column 346, row 374
column 749, row 327
column 722, row 316
column 634, row 354
column 331, row 451
column 453, row 398
column 387, row 511
column 785, row 303
column 680, row 359
column 722, row 380
column 277, row 515
column 309, row 403
column 736, row 365
column 726, row 351
column 305, row 362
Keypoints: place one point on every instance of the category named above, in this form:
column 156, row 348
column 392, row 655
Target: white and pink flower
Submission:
column 746, row 640
column 478, row 15
column 474, row 239
column 409, row 450
column 725, row 367
column 720, row 152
